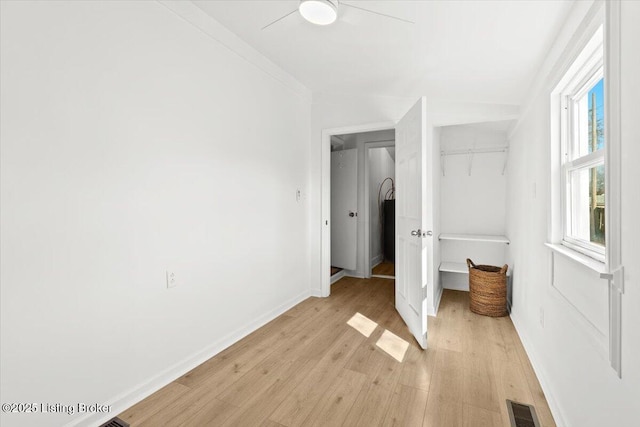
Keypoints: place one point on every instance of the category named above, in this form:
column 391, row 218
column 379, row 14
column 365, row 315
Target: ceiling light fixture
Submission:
column 319, row 12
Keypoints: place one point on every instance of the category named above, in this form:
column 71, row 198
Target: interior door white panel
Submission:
column 412, row 241
column 344, row 207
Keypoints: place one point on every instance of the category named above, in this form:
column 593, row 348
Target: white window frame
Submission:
column 585, row 72
column 605, row 23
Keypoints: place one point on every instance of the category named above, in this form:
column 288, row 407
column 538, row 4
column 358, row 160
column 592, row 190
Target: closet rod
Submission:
column 474, row 151
column 470, row 152
column 384, row 140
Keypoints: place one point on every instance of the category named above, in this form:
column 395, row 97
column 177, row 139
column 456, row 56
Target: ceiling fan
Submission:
column 325, row 12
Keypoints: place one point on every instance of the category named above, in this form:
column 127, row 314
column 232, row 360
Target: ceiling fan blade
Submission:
column 279, row 19
column 377, row 13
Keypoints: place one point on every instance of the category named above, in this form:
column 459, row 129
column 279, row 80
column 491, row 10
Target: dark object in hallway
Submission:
column 488, row 289
column 389, row 230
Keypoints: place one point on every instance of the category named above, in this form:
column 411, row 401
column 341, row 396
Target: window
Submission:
column 582, row 162
column 585, row 160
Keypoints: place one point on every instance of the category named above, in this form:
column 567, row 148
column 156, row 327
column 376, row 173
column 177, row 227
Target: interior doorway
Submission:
column 362, row 204
column 416, row 187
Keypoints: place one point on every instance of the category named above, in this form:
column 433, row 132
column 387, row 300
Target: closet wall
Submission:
column 472, row 199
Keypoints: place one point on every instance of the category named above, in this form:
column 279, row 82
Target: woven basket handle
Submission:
column 470, row 264
column 504, row 269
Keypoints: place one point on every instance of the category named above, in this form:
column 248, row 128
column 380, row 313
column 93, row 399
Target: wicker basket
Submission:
column 488, row 289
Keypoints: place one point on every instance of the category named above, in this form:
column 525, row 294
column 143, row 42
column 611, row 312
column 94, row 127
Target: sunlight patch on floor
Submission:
column 393, row 345
column 362, row 324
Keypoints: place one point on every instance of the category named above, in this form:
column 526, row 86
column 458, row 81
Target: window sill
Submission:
column 593, row 264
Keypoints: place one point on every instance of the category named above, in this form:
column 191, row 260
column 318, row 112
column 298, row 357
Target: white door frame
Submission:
column 325, row 202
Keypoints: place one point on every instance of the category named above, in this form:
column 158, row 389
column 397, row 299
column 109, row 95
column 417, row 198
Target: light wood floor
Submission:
column 308, row 367
column 385, row 269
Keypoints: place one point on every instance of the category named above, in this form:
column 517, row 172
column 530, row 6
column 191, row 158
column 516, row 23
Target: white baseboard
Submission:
column 556, row 411
column 339, row 275
column 315, row 293
column 432, row 309
column 376, row 260
column 354, row 273
column 131, row 397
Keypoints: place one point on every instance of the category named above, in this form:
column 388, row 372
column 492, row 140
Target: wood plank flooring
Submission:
column 384, row 269
column 309, row 367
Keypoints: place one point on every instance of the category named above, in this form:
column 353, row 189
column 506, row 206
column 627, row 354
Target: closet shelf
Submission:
column 475, row 238
column 457, row 267
column 454, row 267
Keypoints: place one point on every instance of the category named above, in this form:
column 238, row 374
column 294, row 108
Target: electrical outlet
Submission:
column 171, row 279
column 542, row 317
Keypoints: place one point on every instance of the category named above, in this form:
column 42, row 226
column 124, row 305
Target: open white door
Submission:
column 344, row 204
column 413, row 242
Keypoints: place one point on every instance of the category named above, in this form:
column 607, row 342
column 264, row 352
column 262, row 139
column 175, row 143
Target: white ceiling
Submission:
column 479, row 51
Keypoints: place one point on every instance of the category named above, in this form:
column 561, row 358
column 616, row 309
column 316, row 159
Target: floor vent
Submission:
column 522, row 415
column 115, row 422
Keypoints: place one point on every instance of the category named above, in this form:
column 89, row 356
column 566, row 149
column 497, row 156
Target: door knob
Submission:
column 429, row 233
column 416, row 232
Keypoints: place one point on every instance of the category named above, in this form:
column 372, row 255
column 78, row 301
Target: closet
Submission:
column 473, row 162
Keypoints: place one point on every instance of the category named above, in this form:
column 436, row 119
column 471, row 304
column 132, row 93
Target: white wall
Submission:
column 472, row 204
column 381, row 166
column 133, row 142
column 564, row 325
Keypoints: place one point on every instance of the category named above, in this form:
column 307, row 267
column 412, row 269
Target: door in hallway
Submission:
column 344, row 208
